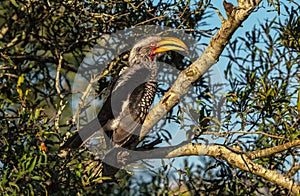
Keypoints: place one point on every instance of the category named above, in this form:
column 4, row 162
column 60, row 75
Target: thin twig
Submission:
column 293, row 170
column 61, row 107
column 223, row 134
column 86, row 93
column 58, row 76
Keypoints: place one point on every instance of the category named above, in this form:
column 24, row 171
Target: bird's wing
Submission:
column 130, row 101
column 123, row 111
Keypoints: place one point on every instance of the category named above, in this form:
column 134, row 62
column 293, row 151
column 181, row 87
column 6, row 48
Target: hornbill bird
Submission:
column 130, row 97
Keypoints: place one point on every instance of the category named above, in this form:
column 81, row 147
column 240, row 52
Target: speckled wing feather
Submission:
column 130, row 103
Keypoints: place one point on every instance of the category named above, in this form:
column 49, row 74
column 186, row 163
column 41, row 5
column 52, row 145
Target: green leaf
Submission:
column 38, row 178
column 14, row 3
column 32, row 164
column 19, row 89
column 4, row 178
column 14, row 185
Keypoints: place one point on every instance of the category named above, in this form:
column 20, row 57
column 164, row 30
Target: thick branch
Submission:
column 238, row 160
column 209, row 57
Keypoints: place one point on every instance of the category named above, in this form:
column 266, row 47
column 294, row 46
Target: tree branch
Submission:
column 239, row 160
column 293, row 170
column 269, row 151
column 57, row 78
column 226, row 133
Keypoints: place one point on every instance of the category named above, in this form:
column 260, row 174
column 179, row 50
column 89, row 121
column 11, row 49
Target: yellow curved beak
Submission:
column 170, row 43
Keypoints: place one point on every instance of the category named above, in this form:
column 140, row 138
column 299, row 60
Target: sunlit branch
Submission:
column 269, row 151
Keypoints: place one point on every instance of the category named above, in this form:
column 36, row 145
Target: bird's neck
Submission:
column 153, row 73
column 153, row 67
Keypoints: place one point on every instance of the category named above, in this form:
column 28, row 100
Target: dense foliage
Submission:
column 42, row 44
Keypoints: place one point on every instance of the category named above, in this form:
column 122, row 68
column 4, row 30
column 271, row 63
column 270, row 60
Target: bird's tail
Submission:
column 81, row 136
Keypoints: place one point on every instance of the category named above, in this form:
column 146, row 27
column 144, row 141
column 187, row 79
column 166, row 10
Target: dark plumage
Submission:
column 131, row 95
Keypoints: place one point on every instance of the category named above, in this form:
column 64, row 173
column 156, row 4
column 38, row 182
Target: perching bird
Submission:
column 131, row 95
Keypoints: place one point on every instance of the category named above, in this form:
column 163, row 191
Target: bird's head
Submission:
column 147, row 49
